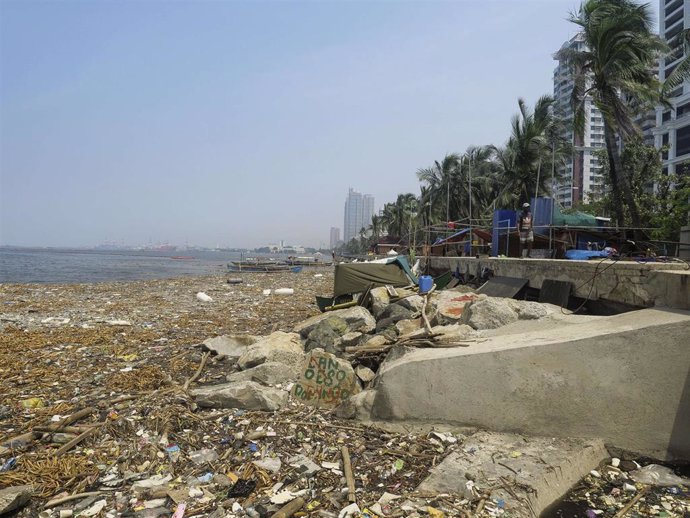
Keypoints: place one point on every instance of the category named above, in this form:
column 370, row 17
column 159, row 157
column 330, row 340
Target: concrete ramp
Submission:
column 625, row 379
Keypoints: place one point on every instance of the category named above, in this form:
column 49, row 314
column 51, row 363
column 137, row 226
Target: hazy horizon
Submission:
column 244, row 123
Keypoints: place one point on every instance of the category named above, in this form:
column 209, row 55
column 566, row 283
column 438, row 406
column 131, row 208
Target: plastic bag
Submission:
column 657, row 475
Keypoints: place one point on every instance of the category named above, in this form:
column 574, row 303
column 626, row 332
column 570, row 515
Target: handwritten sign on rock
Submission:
column 325, row 380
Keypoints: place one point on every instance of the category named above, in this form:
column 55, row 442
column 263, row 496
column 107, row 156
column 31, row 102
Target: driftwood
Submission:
column 204, row 359
column 65, row 448
column 347, row 468
column 290, row 508
column 631, row 504
column 65, row 499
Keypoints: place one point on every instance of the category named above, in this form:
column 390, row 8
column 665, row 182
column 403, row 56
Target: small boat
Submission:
column 182, row 257
column 265, row 267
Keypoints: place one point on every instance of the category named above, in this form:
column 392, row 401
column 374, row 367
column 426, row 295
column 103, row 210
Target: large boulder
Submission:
column 379, row 300
column 405, row 327
column 450, row 305
column 413, row 303
column 392, row 314
column 489, row 313
column 269, row 373
column 326, row 333
column 277, row 347
column 527, row 310
column 358, row 406
column 247, row 395
column 325, row 380
column 357, row 318
column 232, row 346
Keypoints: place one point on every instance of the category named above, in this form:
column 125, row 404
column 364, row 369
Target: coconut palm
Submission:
column 682, row 70
column 533, row 148
column 615, row 67
column 440, row 178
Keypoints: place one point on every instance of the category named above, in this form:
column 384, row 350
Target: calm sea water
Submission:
column 77, row 266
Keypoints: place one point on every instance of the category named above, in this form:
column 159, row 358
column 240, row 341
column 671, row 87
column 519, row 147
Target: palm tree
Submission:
column 533, row 148
column 376, row 227
column 682, row 70
column 616, row 67
column 439, row 178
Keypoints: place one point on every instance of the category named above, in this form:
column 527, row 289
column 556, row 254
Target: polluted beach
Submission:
column 336, row 259
column 146, row 399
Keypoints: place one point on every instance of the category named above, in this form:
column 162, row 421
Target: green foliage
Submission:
column 663, row 199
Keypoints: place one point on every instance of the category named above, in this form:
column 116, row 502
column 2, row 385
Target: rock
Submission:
column 357, row 407
column 406, row 327
column 277, row 347
column 376, row 341
column 305, row 466
column 348, row 340
column 489, row 313
column 414, row 303
column 457, row 331
column 379, row 300
column 527, row 310
column 357, row 318
column 396, row 311
column 325, row 380
column 247, row 395
column 13, row 498
column 269, row 373
column 365, row 373
column 325, row 334
column 232, row 346
column 451, row 305
column 201, row 296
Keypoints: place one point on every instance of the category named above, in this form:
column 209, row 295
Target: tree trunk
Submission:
column 622, row 185
column 615, row 169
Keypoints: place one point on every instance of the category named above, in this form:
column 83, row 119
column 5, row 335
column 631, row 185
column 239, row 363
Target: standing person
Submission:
column 525, row 229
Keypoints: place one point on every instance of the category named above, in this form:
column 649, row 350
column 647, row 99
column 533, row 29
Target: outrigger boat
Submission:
column 261, row 267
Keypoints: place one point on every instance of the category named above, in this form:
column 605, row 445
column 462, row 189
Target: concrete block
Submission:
column 625, row 379
column 542, row 469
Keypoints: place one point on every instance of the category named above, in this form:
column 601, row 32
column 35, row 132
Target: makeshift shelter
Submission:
column 359, row 277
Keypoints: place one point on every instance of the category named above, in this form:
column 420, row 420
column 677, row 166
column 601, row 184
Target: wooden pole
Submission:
column 290, row 508
column 347, row 468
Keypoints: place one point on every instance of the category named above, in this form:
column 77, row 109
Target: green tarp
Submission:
column 575, row 219
column 358, row 277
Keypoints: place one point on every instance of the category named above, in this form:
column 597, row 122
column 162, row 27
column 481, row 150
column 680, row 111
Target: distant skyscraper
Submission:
column 673, row 123
column 335, row 237
column 359, row 208
column 582, row 172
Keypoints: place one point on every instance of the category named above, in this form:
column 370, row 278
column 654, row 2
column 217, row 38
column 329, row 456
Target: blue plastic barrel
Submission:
column 425, row 283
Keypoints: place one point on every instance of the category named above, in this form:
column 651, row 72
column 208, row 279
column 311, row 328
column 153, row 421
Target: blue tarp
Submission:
column 503, row 220
column 583, row 255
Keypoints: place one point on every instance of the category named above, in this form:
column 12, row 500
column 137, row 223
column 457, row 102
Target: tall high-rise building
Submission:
column 335, row 237
column 581, row 175
column 359, row 208
column 673, row 124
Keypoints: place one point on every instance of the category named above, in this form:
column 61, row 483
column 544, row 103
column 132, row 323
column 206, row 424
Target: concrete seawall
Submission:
column 625, row 379
column 626, row 282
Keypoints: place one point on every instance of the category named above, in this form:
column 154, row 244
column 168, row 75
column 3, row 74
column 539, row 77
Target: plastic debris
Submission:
column 203, row 456
column 242, row 488
column 203, row 297
column 284, row 291
column 657, row 475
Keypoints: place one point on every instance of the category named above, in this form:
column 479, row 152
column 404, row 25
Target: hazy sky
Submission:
column 243, row 123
